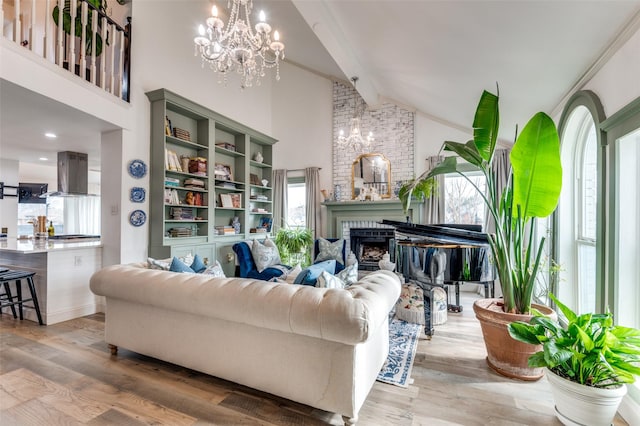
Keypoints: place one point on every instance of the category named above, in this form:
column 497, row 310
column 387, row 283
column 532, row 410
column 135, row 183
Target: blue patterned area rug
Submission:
column 403, row 342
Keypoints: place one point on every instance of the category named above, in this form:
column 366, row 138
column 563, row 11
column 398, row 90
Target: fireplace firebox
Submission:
column 370, row 244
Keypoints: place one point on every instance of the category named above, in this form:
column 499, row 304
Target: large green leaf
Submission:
column 468, row 152
column 537, row 172
column 485, row 125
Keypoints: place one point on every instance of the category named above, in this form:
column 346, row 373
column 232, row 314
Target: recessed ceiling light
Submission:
column 44, row 159
column 51, row 135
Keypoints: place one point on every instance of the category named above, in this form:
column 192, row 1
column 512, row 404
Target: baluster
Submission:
column 46, row 52
column 103, row 74
column 60, row 47
column 16, row 25
column 32, row 26
column 113, row 59
column 121, row 64
column 72, row 38
column 83, row 41
column 94, row 36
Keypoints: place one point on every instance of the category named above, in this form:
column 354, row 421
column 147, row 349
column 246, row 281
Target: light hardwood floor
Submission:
column 64, row 375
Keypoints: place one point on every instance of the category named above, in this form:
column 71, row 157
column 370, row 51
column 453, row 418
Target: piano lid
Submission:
column 456, row 234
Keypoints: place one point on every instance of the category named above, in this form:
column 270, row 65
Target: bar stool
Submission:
column 7, row 299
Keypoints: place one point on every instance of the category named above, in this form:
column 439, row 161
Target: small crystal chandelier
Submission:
column 355, row 141
column 238, row 47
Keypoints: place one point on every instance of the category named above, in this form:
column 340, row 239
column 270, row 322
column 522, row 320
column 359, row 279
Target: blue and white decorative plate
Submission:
column 137, row 218
column 137, row 168
column 137, row 194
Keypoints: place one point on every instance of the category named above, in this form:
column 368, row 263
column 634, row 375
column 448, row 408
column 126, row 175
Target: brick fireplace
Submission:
column 369, row 244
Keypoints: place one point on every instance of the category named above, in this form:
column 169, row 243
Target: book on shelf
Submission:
column 171, row 196
column 171, row 161
column 182, row 213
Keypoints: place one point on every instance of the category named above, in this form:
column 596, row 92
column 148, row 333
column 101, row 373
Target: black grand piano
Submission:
column 444, row 255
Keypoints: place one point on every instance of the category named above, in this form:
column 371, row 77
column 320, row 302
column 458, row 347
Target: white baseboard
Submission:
column 630, row 410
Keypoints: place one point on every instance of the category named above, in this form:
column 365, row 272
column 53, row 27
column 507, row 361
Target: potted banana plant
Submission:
column 588, row 362
column 533, row 192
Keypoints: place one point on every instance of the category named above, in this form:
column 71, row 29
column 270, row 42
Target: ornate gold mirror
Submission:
column 371, row 177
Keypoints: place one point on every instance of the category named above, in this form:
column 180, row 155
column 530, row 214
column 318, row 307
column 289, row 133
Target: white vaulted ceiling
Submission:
column 431, row 56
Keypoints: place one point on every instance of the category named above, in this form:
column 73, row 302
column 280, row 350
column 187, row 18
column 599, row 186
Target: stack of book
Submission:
column 225, row 230
column 181, row 134
column 180, row 213
column 226, row 184
column 171, row 181
column 194, row 183
column 180, row 232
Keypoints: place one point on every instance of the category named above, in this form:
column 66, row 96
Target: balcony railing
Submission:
column 92, row 46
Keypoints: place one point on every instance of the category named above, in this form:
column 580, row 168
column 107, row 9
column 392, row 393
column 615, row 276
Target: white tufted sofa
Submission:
column 320, row 347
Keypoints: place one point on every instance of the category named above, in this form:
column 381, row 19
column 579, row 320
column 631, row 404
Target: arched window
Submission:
column 578, row 231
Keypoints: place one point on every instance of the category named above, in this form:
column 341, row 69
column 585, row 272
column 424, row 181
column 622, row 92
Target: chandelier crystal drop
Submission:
column 238, row 47
column 354, row 141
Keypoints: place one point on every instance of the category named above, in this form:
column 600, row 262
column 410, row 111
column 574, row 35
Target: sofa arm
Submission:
column 344, row 315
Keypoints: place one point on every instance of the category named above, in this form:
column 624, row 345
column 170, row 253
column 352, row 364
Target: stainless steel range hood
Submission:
column 73, row 172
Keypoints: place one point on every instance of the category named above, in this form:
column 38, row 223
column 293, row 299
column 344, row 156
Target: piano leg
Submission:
column 457, row 307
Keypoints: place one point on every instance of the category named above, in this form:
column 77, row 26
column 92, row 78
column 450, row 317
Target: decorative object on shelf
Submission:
column 197, row 166
column 184, row 162
column 265, row 182
column 235, row 222
column 223, row 172
column 265, row 223
column 386, row 263
column 355, row 141
column 189, row 199
column 238, row 48
column 137, row 194
column 137, row 168
column 137, row 218
column 254, row 179
column 258, row 158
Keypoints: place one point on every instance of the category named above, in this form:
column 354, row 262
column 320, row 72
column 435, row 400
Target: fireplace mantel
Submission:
column 374, row 211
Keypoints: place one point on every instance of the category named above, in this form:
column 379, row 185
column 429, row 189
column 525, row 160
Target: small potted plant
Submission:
column 588, row 362
column 294, row 244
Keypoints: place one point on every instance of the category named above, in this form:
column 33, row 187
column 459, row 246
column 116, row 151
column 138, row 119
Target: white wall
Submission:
column 301, row 110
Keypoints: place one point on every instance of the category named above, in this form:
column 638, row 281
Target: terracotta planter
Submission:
column 578, row 404
column 504, row 354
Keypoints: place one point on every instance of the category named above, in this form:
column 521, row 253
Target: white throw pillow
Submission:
column 159, row 264
column 349, row 274
column 214, row 270
column 326, row 280
column 265, row 255
column 328, row 250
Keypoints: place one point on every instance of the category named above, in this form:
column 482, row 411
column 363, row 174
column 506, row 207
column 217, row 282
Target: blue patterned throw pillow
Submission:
column 328, row 250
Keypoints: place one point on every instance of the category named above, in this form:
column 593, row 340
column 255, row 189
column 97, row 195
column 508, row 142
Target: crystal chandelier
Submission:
column 238, row 47
column 354, row 140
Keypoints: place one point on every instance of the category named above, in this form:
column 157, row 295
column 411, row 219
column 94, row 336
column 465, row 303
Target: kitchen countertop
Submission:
column 43, row 246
